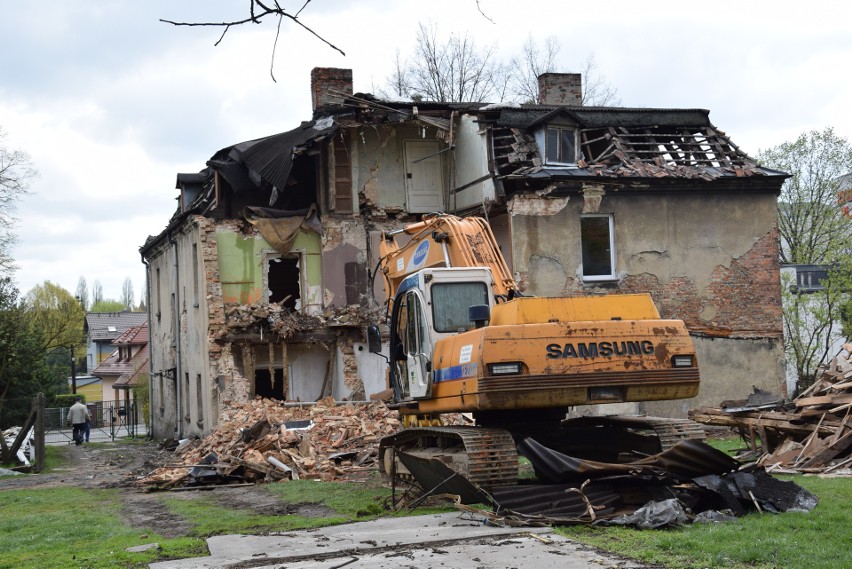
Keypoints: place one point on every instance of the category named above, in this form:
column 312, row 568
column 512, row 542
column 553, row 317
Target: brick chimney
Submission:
column 560, row 89
column 327, row 79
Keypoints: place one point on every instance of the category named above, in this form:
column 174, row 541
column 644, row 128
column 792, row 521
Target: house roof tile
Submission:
column 107, row 326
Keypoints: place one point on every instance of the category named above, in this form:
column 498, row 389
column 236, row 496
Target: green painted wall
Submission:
column 241, row 265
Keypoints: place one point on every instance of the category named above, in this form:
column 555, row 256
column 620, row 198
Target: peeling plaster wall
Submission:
column 708, row 259
column 174, row 298
column 380, row 166
column 470, row 157
column 378, row 162
column 344, row 261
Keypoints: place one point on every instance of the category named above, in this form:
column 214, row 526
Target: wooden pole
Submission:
column 39, row 433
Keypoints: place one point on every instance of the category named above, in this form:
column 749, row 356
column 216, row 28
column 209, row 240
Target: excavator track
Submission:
column 485, row 456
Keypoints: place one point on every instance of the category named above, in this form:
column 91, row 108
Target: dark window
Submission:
column 268, row 385
column 199, row 400
column 560, row 146
column 597, row 244
column 284, row 281
column 195, row 274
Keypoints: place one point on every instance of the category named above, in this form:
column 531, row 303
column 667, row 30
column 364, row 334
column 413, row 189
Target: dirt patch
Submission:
column 258, row 500
column 143, row 510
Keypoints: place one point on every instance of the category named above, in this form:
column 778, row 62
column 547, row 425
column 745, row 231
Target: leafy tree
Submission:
column 23, row 369
column 811, row 226
column 83, row 293
column 108, row 306
column 127, row 293
column 16, row 173
column 814, row 231
column 57, row 316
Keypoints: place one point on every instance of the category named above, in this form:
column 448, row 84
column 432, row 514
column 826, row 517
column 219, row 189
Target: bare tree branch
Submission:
column 257, row 11
column 484, row 15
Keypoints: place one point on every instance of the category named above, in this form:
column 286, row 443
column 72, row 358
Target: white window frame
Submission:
column 542, row 142
column 612, row 266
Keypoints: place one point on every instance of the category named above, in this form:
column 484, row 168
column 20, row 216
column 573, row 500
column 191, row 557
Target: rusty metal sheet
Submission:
column 435, row 477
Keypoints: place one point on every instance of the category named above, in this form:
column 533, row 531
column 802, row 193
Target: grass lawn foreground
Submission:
column 73, row 527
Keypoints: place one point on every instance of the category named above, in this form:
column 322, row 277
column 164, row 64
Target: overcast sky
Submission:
column 110, row 103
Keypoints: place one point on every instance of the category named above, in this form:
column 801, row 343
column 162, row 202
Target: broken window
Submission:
column 284, row 281
column 560, row 145
column 598, row 247
column 269, row 383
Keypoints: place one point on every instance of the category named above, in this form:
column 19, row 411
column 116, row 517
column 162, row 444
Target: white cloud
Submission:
column 111, row 103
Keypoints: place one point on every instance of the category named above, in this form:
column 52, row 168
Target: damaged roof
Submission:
column 617, row 142
column 268, row 159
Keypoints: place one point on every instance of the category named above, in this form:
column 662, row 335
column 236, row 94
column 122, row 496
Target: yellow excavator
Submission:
column 463, row 339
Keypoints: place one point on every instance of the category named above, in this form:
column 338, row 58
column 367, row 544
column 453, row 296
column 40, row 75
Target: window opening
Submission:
column 284, row 279
column 199, row 400
column 159, row 287
column 161, row 393
column 598, row 247
column 195, row 273
column 185, row 398
column 267, row 385
column 450, row 302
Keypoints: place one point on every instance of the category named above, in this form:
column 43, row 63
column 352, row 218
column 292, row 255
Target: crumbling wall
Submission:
column 705, row 258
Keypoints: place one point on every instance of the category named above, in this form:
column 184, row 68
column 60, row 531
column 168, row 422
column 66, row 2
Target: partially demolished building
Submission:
column 262, row 282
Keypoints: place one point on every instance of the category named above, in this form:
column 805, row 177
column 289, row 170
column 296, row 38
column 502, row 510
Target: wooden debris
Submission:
column 324, row 441
column 812, row 433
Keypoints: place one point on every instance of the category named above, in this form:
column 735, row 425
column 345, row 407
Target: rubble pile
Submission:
column 265, row 441
column 268, row 441
column 285, row 322
column 17, row 445
column 810, row 434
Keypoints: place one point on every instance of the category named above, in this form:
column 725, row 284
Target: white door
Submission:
column 424, row 176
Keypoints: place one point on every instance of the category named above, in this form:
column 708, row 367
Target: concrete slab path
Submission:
column 453, row 540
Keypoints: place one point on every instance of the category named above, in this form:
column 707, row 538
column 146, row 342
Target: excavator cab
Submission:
column 430, row 305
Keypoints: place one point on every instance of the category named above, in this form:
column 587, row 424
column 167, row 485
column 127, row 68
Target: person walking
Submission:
column 78, row 416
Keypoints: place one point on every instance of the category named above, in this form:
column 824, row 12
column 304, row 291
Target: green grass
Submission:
column 69, row 527
column 818, row 539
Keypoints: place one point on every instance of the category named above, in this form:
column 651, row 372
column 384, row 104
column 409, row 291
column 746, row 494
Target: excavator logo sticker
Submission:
column 419, row 256
column 595, row 349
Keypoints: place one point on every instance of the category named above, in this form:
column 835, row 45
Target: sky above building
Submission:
column 111, row 104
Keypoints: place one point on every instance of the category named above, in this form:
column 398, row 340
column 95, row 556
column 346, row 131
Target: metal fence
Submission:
column 110, row 420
